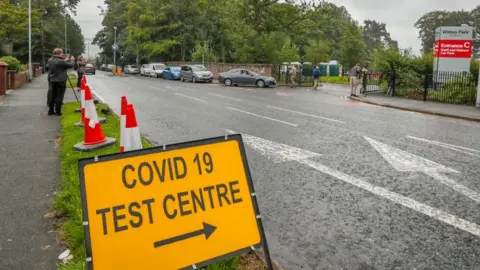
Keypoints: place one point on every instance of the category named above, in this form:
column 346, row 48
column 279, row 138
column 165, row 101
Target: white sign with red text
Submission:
column 452, row 49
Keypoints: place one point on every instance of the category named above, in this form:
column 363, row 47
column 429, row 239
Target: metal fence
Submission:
column 441, row 86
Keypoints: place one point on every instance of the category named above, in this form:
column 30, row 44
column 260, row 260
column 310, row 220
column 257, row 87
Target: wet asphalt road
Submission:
column 318, row 220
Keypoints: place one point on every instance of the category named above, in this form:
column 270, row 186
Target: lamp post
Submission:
column 30, row 75
column 114, row 43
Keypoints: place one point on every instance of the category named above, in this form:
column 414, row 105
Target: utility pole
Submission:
column 66, row 32
column 30, row 71
column 114, row 50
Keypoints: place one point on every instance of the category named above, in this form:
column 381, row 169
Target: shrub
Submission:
column 335, row 79
column 458, row 90
column 12, row 62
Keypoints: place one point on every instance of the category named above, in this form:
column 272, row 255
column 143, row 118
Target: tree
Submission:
column 427, row 24
column 203, row 52
column 14, row 26
column 376, row 36
column 317, row 51
column 352, row 47
column 475, row 15
column 289, row 52
column 240, row 31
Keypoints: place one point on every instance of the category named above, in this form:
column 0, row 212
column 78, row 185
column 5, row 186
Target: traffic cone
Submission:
column 93, row 138
column 133, row 139
column 83, row 82
column 123, row 122
column 82, row 104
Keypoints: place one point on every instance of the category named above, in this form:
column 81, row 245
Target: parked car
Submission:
column 195, row 73
column 145, row 69
column 172, row 73
column 156, row 70
column 245, row 77
column 110, row 67
column 131, row 69
column 103, row 67
column 89, row 69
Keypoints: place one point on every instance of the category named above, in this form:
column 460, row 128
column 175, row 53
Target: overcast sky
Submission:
column 399, row 16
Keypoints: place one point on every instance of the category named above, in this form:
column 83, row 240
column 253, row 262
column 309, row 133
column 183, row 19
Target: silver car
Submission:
column 195, row 73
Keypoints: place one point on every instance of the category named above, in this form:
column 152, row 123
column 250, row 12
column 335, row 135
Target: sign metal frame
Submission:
column 166, row 148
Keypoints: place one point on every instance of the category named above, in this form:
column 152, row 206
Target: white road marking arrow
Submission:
column 277, row 152
column 461, row 149
column 282, row 152
column 406, row 162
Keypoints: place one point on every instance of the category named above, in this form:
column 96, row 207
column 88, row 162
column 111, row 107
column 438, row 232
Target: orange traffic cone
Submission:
column 82, row 104
column 83, row 83
column 133, row 139
column 123, row 122
column 93, row 138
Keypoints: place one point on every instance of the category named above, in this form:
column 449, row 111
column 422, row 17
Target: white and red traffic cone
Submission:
column 83, row 83
column 82, row 107
column 93, row 138
column 123, row 123
column 133, row 139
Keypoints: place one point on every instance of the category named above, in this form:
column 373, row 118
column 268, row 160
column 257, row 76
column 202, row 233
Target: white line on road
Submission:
column 237, row 99
column 158, row 88
column 189, row 89
column 171, row 88
column 306, row 114
column 201, row 100
column 457, row 148
column 281, row 152
column 261, row 116
column 435, row 213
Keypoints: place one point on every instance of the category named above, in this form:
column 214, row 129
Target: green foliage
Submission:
column 335, row 79
column 48, row 31
column 14, row 23
column 12, row 62
column 203, row 53
column 352, row 47
column 289, row 52
column 317, row 51
column 458, row 90
column 427, row 24
column 247, row 31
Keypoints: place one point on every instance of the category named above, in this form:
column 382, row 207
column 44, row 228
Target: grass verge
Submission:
column 73, row 79
column 68, row 202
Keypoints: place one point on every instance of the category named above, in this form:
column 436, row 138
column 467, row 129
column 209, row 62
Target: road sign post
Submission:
column 180, row 206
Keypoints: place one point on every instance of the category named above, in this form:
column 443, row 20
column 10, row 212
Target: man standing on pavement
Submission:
column 293, row 76
column 49, row 92
column 80, row 70
column 354, row 73
column 316, row 77
column 58, row 66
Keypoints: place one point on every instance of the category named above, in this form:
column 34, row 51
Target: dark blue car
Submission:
column 171, row 73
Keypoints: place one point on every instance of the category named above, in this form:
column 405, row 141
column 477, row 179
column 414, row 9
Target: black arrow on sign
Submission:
column 207, row 230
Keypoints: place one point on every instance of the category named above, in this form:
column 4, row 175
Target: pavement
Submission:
column 29, row 177
column 341, row 184
column 435, row 108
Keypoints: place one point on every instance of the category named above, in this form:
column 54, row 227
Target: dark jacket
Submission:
column 316, row 73
column 57, row 69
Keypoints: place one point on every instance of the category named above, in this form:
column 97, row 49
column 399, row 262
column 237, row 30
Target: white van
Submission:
column 156, row 70
column 145, row 69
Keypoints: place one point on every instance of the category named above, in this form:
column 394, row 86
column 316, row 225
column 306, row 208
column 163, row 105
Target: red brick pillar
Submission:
column 3, row 78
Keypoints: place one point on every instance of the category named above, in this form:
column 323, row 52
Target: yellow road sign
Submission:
column 182, row 206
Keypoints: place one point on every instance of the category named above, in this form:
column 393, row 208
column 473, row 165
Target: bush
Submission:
column 458, row 90
column 12, row 62
column 335, row 79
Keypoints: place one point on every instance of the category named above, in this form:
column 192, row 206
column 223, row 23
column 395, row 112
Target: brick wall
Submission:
column 216, row 68
column 16, row 80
